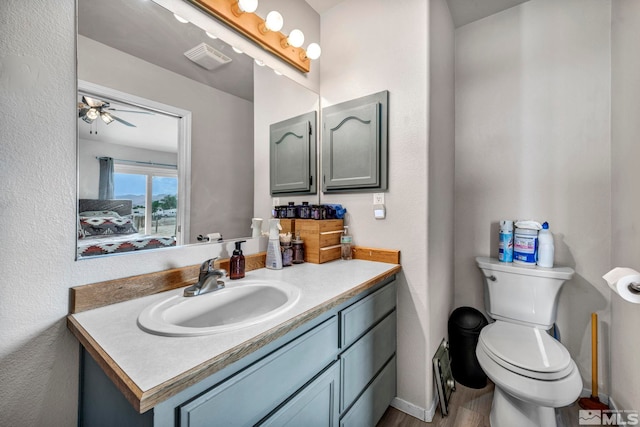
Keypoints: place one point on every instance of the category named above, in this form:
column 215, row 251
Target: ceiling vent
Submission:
column 207, row 57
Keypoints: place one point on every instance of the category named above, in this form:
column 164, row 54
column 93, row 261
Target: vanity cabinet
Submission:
column 337, row 369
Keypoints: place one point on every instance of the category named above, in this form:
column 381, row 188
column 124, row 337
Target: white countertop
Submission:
column 150, row 360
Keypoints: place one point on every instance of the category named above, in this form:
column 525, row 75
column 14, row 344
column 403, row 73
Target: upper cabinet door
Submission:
column 293, row 155
column 354, row 145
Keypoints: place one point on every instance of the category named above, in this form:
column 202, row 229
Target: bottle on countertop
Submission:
column 346, row 241
column 546, row 248
column 274, row 255
column 298, row 250
column 236, row 263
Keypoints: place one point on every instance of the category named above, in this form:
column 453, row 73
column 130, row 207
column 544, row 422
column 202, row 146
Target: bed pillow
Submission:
column 100, row 213
column 106, row 225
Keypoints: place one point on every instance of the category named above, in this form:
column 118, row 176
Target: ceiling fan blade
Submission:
column 91, row 102
column 122, row 121
column 130, row 111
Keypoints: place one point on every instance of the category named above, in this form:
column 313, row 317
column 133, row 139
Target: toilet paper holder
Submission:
column 634, row 287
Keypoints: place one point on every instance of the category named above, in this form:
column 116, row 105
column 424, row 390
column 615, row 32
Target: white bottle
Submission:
column 545, row 247
column 274, row 255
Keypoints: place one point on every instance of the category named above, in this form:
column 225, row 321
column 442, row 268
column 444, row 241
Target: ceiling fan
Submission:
column 90, row 109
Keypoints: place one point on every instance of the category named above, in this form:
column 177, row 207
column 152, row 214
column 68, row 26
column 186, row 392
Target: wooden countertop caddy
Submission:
column 321, row 237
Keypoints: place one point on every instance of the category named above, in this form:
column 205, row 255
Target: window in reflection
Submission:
column 153, row 193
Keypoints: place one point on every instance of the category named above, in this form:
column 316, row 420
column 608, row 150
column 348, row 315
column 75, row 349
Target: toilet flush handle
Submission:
column 492, row 278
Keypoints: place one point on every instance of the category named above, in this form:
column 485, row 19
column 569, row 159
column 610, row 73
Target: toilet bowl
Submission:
column 533, row 373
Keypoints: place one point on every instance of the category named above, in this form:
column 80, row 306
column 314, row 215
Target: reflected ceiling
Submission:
column 148, row 31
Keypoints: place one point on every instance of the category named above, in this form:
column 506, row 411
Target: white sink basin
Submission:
column 239, row 305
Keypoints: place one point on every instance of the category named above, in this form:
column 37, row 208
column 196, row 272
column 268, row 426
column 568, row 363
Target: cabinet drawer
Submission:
column 362, row 361
column 316, row 405
column 247, row 397
column 356, row 319
column 370, row 407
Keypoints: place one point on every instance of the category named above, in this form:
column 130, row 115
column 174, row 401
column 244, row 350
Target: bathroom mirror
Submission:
column 138, row 51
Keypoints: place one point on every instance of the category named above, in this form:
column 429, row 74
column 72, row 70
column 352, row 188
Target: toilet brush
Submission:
column 593, row 402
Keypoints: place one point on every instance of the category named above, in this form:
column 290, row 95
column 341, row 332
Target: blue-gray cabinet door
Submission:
column 292, row 155
column 354, row 145
column 315, row 406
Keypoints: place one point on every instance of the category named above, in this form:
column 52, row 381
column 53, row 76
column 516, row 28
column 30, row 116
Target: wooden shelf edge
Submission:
column 391, row 256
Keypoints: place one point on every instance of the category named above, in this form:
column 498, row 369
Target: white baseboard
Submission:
column 414, row 410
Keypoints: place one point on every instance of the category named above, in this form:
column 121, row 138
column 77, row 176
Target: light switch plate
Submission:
column 276, row 201
column 378, row 198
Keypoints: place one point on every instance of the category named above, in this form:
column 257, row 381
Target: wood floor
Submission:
column 468, row 408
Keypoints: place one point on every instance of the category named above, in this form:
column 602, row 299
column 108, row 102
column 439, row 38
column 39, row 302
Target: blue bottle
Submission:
column 505, row 245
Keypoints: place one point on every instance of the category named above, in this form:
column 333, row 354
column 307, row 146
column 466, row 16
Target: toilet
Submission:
column 533, row 372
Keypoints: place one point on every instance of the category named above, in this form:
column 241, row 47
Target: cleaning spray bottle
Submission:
column 274, row 256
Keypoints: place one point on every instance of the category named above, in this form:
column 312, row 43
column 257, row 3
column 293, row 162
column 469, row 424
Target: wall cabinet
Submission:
column 338, row 369
column 354, row 145
column 292, row 155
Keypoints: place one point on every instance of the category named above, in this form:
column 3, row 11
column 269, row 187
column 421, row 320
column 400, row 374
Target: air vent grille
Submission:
column 207, row 57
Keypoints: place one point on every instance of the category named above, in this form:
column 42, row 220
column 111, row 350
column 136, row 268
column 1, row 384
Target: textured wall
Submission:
column 38, row 356
column 532, row 141
column 625, row 150
column 386, row 48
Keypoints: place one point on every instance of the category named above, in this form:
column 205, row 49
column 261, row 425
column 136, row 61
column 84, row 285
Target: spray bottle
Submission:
column 274, row 256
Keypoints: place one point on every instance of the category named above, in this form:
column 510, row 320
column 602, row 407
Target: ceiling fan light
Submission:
column 106, row 117
column 92, row 114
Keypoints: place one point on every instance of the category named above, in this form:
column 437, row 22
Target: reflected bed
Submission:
column 107, row 227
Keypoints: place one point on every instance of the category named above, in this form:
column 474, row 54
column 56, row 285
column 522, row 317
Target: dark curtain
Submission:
column 105, row 190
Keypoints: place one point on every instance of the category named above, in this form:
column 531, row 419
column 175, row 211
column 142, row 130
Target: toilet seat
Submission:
column 526, row 351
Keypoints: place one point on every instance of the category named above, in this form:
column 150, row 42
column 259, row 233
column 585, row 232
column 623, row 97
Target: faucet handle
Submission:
column 207, row 267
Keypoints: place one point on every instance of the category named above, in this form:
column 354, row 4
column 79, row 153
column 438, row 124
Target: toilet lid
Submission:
column 525, row 350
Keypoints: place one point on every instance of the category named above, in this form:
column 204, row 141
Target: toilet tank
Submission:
column 524, row 295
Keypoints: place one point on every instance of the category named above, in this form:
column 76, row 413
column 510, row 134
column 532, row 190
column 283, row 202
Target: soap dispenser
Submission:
column 236, row 263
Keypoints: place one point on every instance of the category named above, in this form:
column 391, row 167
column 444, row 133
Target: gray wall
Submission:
column 533, row 142
column 625, row 151
column 390, row 48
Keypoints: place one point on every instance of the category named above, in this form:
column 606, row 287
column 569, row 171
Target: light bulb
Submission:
column 249, row 6
column 106, row 117
column 210, row 35
column 259, row 62
column 92, row 113
column 296, row 38
column 181, row 19
column 274, row 21
column 237, row 50
column 313, row 51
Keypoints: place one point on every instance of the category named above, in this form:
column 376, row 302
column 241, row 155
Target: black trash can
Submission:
column 465, row 324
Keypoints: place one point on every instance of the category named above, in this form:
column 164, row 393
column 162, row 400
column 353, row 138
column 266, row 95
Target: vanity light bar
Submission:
column 249, row 25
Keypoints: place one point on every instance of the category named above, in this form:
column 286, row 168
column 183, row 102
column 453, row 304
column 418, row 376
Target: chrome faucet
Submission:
column 209, row 280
